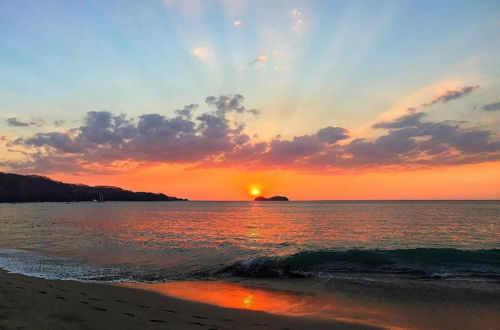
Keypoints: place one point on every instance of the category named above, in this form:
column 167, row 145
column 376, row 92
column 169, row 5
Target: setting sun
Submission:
column 255, row 191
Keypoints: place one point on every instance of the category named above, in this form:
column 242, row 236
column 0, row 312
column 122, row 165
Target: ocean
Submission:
column 174, row 241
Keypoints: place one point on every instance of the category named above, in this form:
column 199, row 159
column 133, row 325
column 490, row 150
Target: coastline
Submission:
column 34, row 303
column 287, row 304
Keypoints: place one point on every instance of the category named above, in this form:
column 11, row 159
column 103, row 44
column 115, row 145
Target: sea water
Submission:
column 171, row 241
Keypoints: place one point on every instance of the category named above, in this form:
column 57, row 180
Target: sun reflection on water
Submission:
column 232, row 295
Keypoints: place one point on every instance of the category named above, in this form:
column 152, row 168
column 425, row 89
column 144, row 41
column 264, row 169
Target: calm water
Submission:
column 177, row 240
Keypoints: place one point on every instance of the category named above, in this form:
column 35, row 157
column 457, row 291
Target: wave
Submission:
column 419, row 262
column 41, row 265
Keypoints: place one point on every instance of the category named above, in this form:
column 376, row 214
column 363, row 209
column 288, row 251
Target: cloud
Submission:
column 331, row 135
column 261, row 59
column 408, row 120
column 491, row 107
column 452, row 95
column 217, row 138
column 297, row 19
column 14, row 122
column 187, row 111
column 105, row 138
column 204, row 54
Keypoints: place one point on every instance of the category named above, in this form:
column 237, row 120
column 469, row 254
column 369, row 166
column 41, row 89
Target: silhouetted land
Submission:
column 15, row 188
column 271, row 199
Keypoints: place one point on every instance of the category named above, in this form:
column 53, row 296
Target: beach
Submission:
column 33, row 303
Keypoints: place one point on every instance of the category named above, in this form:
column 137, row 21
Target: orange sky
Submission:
column 476, row 181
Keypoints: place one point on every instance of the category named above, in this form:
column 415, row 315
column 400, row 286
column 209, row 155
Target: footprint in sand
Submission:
column 20, row 287
column 142, row 306
column 42, row 292
column 64, row 290
column 100, row 309
column 98, row 299
column 83, row 293
column 60, row 298
column 157, row 321
column 170, row 311
column 197, row 323
column 259, row 325
column 199, row 317
column 129, row 314
column 84, row 302
column 121, row 301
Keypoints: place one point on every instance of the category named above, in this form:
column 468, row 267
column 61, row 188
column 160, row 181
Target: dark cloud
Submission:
column 14, row 122
column 254, row 112
column 211, row 139
column 452, row 95
column 332, row 134
column 187, row 111
column 59, row 141
column 408, row 120
column 286, row 151
column 413, row 141
column 491, row 107
column 107, row 138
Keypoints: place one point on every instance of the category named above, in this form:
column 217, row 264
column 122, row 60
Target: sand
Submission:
column 33, row 303
column 237, row 303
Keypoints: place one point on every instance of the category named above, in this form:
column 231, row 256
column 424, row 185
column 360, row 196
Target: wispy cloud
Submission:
column 491, row 107
column 205, row 54
column 259, row 59
column 452, row 95
column 15, row 122
column 297, row 19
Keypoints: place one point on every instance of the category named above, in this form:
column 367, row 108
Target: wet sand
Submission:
column 292, row 304
column 388, row 303
column 32, row 303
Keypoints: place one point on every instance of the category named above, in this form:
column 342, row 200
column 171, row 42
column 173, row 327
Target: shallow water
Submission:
column 390, row 305
column 157, row 241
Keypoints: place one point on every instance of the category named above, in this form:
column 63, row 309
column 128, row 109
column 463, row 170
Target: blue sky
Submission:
column 305, row 65
column 135, row 57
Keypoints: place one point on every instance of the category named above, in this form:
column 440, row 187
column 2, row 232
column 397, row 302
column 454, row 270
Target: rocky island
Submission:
column 271, row 199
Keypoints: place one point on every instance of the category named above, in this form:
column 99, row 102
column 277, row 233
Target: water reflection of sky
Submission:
column 169, row 235
column 289, row 303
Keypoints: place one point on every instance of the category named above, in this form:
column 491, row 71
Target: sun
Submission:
column 255, row 191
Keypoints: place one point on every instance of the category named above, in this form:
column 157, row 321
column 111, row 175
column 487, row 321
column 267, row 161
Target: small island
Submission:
column 271, row 199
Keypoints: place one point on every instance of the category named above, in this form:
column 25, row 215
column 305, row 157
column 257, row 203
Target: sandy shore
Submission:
column 32, row 303
column 237, row 303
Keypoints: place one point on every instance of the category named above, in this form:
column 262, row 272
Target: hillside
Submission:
column 15, row 188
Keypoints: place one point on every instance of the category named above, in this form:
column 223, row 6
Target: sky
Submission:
column 208, row 100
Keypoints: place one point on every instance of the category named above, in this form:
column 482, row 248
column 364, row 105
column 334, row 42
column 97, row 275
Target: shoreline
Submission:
column 35, row 303
column 244, row 303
